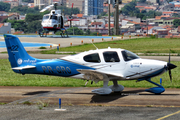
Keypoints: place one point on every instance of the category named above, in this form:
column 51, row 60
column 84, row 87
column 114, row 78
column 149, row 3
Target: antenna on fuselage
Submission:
column 93, row 44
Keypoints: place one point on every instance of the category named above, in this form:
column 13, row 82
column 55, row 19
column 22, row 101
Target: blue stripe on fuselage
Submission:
column 55, row 67
column 152, row 74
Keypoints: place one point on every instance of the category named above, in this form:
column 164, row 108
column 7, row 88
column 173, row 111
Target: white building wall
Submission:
column 81, row 22
column 6, row 28
column 86, row 7
column 42, row 2
column 124, row 22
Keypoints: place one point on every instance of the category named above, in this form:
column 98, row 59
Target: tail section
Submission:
column 18, row 56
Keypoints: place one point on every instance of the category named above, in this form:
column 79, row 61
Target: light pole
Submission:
column 109, row 33
column 108, row 2
column 116, row 30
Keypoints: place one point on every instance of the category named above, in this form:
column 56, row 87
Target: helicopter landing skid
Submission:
column 42, row 34
column 64, row 33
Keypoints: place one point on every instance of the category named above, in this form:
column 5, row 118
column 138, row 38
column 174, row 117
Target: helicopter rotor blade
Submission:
column 47, row 8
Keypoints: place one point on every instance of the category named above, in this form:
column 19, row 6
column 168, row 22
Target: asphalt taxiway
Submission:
column 81, row 104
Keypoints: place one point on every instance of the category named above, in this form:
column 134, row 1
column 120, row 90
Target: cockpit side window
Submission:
column 45, row 17
column 92, row 58
column 53, row 17
column 111, row 56
column 127, row 55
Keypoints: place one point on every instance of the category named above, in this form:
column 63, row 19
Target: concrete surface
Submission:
column 81, row 104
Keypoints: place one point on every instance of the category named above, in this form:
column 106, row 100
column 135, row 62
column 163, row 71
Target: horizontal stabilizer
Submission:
column 24, row 67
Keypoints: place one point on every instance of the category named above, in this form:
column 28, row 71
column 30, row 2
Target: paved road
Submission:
column 64, row 42
column 19, row 112
column 52, row 56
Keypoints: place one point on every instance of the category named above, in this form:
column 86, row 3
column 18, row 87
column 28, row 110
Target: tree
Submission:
column 25, row 10
column 18, row 25
column 4, row 6
column 142, row 1
column 33, row 17
column 176, row 22
column 74, row 30
column 158, row 13
column 140, row 15
column 34, row 26
column 126, row 10
column 5, row 20
column 29, row 1
column 88, row 32
column 95, row 34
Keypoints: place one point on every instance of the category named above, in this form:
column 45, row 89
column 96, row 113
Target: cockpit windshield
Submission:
column 53, row 17
column 127, row 55
column 45, row 17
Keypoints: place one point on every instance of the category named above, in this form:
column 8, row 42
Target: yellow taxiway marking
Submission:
column 168, row 115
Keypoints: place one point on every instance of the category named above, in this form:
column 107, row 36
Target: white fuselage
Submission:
column 132, row 68
column 53, row 21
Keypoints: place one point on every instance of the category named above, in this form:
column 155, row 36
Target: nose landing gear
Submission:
column 156, row 90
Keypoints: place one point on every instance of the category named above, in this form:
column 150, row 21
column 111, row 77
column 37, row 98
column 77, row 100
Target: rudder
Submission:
column 17, row 53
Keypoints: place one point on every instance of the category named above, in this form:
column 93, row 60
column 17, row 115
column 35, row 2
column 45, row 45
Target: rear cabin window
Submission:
column 111, row 56
column 92, row 58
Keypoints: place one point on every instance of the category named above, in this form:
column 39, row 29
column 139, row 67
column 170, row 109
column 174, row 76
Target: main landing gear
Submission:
column 63, row 32
column 43, row 33
column 105, row 90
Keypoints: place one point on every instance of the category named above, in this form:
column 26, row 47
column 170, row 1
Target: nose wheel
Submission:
column 156, row 90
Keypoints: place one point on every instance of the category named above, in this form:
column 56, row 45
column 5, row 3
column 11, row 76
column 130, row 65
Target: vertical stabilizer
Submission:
column 17, row 54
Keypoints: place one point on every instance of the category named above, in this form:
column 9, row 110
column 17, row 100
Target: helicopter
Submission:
column 54, row 21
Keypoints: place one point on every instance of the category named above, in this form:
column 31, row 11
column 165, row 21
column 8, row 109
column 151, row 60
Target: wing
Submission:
column 24, row 67
column 99, row 75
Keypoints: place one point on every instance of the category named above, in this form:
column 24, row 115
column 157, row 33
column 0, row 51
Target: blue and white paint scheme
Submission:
column 111, row 64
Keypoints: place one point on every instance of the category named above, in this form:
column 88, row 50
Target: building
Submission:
column 3, row 15
column 152, row 1
column 41, row 3
column 13, row 16
column 93, row 7
column 5, row 28
column 167, row 21
column 14, row 4
column 77, row 4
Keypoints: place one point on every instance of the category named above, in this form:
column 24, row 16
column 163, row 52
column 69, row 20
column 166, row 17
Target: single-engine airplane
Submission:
column 111, row 64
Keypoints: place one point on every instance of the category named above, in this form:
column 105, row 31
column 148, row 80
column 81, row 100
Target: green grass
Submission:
column 9, row 78
column 140, row 45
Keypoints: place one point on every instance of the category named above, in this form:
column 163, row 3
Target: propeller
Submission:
column 170, row 66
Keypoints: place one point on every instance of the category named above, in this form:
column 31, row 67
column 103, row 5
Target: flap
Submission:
column 100, row 73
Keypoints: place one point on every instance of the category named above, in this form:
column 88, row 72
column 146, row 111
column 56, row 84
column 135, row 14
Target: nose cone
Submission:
column 171, row 66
